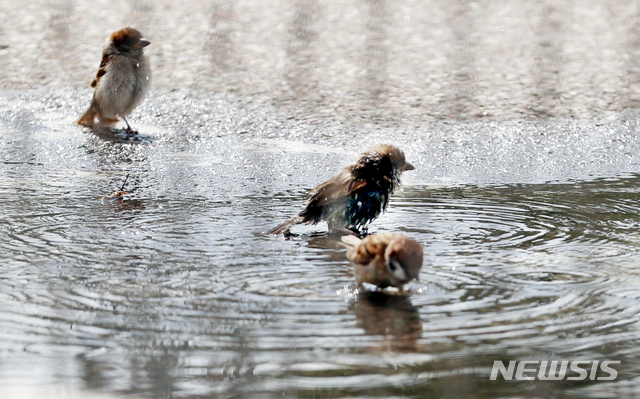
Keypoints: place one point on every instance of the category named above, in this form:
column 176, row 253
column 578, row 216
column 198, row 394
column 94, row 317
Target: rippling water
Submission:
column 530, row 234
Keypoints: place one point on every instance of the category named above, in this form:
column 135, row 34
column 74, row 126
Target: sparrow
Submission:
column 122, row 79
column 384, row 259
column 357, row 195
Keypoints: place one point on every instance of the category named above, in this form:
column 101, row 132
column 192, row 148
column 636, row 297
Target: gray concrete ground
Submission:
column 374, row 60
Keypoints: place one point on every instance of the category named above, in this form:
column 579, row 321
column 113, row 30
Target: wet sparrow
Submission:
column 357, row 195
column 122, row 80
column 384, row 259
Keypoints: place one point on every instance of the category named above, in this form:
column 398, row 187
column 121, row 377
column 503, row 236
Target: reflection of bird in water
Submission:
column 392, row 317
column 357, row 195
column 384, row 259
column 118, row 197
column 331, row 249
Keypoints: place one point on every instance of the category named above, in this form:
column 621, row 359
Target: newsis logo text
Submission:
column 576, row 370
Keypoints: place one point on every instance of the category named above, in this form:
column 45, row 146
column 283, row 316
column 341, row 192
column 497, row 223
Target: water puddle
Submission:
column 171, row 289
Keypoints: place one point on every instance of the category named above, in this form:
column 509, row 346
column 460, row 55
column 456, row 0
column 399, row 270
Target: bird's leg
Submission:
column 128, row 129
column 335, row 229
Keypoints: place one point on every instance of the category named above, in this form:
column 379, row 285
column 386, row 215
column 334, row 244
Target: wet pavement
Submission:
column 521, row 120
column 360, row 61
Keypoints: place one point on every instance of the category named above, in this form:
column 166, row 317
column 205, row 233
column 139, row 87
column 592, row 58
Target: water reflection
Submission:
column 330, row 245
column 392, row 319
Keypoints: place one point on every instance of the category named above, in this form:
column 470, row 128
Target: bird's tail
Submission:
column 89, row 117
column 284, row 227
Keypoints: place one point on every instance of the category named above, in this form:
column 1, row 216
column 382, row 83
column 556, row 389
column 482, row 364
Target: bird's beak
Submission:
column 144, row 43
column 408, row 166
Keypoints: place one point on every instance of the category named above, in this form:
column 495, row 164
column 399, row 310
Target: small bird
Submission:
column 357, row 195
column 122, row 81
column 384, row 259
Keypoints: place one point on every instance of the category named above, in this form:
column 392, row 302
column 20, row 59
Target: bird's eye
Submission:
column 396, row 268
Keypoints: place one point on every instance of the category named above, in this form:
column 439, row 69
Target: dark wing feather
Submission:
column 102, row 69
column 330, row 197
column 355, row 185
column 322, row 199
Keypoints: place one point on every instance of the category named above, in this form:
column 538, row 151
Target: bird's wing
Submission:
column 328, row 198
column 102, row 69
column 368, row 248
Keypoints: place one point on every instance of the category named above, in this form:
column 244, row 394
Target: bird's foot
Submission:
column 130, row 132
column 128, row 129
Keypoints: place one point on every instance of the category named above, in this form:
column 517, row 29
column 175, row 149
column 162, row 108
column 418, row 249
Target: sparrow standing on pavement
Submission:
column 122, row 80
column 357, row 195
column 384, row 259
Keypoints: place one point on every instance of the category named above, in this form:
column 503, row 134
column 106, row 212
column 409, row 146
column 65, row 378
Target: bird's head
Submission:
column 394, row 154
column 403, row 258
column 128, row 40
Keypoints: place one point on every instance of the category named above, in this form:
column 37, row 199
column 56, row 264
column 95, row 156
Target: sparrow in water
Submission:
column 357, row 195
column 384, row 259
column 122, row 80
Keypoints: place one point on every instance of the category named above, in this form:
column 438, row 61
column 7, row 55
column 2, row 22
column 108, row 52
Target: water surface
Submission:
column 530, row 233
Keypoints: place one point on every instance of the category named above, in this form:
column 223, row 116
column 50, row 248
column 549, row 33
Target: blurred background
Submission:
column 365, row 59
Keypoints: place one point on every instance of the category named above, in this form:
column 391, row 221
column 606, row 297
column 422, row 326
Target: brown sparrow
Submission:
column 357, row 195
column 384, row 259
column 122, row 80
